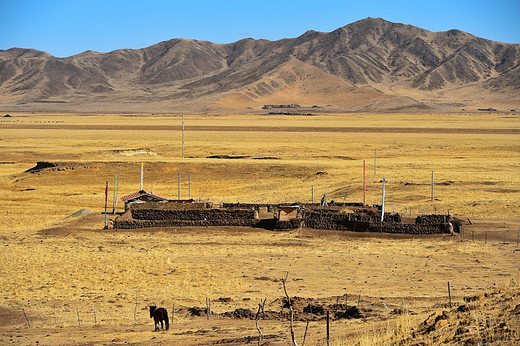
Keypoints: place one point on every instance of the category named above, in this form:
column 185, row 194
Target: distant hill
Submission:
column 371, row 65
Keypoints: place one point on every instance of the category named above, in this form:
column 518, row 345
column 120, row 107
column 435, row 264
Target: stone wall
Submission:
column 367, row 222
column 157, row 215
column 363, row 219
column 193, row 214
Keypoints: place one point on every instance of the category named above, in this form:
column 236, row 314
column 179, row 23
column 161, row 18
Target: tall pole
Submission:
column 106, row 201
column 383, row 201
column 117, row 187
column 179, row 184
column 364, row 184
column 142, row 164
column 312, row 194
column 183, row 136
column 189, row 183
column 375, row 161
column 432, row 186
column 115, row 196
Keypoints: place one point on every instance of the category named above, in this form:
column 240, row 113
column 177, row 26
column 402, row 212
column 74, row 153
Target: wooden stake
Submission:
column 79, row 321
column 95, row 318
column 55, row 323
column 485, row 241
column 135, row 310
column 284, row 281
column 328, row 328
column 28, row 323
column 257, row 326
column 237, row 305
column 449, row 293
column 305, row 334
column 263, row 307
column 173, row 311
column 208, row 307
column 359, row 300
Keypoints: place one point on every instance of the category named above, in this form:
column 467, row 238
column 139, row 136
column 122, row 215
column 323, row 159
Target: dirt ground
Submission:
column 56, row 270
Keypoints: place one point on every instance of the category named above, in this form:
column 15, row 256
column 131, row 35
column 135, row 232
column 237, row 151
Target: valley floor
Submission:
column 57, row 270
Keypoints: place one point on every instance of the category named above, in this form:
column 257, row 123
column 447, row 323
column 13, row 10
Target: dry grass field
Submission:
column 56, row 269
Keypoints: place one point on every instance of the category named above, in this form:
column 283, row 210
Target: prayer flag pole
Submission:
column 117, row 188
column 115, row 196
column 142, row 164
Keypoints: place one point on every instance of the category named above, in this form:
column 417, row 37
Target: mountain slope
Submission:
column 297, row 82
column 371, row 61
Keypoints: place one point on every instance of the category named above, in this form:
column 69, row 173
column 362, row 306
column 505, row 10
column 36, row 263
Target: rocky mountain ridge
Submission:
column 363, row 65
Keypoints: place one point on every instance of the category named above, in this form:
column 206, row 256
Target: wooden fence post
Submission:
column 449, row 293
column 237, row 305
column 135, row 310
column 95, row 319
column 28, row 323
column 328, row 328
column 79, row 321
column 208, row 307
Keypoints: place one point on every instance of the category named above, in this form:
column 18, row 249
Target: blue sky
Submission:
column 64, row 28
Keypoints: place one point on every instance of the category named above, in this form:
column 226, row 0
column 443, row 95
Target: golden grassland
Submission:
column 55, row 267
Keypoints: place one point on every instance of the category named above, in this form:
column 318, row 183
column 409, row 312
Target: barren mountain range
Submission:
column 369, row 65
